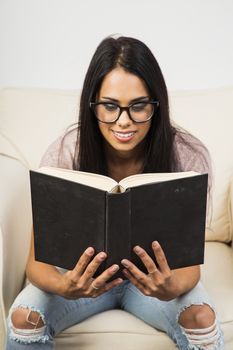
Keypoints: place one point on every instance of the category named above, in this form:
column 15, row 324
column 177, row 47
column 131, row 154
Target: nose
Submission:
column 124, row 119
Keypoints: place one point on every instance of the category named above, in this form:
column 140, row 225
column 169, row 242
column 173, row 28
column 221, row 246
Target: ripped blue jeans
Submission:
column 58, row 313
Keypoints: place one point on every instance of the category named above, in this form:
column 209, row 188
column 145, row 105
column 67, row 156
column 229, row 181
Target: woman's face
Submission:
column 123, row 136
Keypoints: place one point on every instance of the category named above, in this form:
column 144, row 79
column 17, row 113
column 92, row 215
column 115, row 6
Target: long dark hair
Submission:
column 135, row 57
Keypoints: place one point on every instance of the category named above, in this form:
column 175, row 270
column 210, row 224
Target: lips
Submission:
column 124, row 136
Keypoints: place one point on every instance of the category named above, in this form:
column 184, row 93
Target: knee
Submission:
column 26, row 326
column 199, row 325
column 197, row 316
column 23, row 318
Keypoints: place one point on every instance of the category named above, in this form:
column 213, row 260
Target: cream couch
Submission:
column 29, row 120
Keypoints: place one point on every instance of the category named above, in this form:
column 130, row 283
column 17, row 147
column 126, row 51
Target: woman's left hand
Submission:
column 160, row 280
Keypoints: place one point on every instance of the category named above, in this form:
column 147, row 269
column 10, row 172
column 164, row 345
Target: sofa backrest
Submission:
column 32, row 118
column 208, row 115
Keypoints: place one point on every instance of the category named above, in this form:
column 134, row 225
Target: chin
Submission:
column 126, row 150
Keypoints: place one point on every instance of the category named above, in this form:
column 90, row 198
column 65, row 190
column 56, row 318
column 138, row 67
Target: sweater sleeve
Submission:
column 192, row 155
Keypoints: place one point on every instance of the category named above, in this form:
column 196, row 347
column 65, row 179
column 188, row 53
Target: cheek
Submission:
column 103, row 129
column 145, row 129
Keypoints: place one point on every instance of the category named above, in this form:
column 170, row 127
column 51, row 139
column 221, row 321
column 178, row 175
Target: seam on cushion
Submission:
column 21, row 158
column 114, row 332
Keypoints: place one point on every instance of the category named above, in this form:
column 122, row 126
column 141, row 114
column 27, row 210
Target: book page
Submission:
column 142, row 179
column 100, row 182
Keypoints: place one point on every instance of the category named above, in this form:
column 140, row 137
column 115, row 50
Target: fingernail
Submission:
column 89, row 251
column 137, row 249
column 102, row 256
column 155, row 244
column 114, row 268
column 125, row 263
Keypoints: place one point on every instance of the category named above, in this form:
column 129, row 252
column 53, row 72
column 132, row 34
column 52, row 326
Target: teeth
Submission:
column 123, row 135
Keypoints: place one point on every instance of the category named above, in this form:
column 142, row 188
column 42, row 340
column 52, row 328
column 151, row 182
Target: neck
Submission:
column 123, row 164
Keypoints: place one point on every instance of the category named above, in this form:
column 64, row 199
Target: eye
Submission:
column 110, row 107
column 138, row 107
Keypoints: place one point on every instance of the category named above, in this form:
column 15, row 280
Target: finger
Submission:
column 133, row 280
column 137, row 274
column 160, row 257
column 113, row 284
column 101, row 280
column 107, row 286
column 146, row 259
column 93, row 265
column 83, row 262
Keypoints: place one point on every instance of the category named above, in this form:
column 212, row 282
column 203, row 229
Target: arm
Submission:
column 160, row 282
column 74, row 284
column 44, row 276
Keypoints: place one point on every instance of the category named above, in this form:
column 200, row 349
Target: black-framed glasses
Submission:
column 110, row 112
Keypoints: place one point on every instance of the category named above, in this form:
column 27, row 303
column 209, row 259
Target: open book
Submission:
column 73, row 210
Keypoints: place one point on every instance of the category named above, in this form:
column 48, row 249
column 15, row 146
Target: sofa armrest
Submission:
column 15, row 223
column 2, row 309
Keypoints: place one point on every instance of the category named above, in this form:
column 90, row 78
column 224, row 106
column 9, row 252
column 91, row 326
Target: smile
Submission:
column 124, row 136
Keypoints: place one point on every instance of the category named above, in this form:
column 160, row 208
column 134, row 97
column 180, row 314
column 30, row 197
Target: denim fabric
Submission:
column 59, row 313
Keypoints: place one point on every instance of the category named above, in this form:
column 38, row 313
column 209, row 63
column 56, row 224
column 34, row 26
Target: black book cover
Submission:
column 68, row 217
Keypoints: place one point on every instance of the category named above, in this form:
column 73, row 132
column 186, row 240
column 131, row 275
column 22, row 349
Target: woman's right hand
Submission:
column 79, row 282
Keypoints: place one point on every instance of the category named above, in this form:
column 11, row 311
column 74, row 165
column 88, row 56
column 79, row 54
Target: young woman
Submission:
column 124, row 129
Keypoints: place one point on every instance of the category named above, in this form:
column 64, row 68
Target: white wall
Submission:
column 49, row 43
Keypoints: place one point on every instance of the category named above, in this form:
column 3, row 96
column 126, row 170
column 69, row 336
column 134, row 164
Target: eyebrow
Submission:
column 131, row 101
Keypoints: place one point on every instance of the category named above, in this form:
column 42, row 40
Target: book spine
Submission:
column 118, row 227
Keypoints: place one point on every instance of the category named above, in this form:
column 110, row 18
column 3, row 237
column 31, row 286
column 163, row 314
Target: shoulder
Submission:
column 191, row 153
column 62, row 151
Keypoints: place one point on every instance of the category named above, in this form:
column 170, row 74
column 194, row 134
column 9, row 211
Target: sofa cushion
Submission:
column 111, row 329
column 217, row 276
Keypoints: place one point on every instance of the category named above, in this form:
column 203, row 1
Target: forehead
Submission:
column 122, row 86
